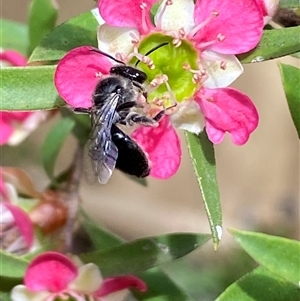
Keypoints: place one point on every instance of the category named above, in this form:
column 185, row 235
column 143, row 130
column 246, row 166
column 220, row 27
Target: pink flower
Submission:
column 16, row 126
column 193, row 70
column 52, row 275
column 16, row 228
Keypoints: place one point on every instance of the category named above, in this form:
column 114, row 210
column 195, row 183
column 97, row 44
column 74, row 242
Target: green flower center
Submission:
column 170, row 60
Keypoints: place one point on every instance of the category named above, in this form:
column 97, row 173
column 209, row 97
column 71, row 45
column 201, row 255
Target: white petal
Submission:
column 177, row 15
column 188, row 117
column 114, row 40
column 88, row 280
column 95, row 12
column 22, row 130
column 22, row 293
column 117, row 296
column 218, row 77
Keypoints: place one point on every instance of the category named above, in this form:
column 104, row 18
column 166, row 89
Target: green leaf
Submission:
column 28, row 88
column 279, row 255
column 78, row 31
column 5, row 296
column 260, row 285
column 101, row 239
column 290, row 77
column 158, row 283
column 54, row 142
column 14, row 36
column 142, row 254
column 296, row 55
column 289, row 3
column 11, row 266
column 160, row 288
column 203, row 159
column 42, row 18
column 273, row 44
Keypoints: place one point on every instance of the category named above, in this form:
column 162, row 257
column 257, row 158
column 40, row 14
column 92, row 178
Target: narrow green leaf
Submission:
column 5, row 296
column 280, row 255
column 260, row 285
column 296, row 55
column 273, row 44
column 289, row 3
column 11, row 266
column 42, row 18
column 160, row 288
column 290, row 77
column 78, row 31
column 28, row 88
column 54, row 142
column 142, row 254
column 101, row 239
column 14, row 36
column 203, row 159
column 158, row 283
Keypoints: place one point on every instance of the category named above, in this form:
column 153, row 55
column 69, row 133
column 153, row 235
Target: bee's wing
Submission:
column 102, row 150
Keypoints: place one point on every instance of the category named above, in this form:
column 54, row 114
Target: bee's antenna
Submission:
column 107, row 55
column 152, row 50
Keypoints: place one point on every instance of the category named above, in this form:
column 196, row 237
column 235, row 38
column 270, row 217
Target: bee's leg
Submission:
column 133, row 117
column 160, row 114
column 82, row 110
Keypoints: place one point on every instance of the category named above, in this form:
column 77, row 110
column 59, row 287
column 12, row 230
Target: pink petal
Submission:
column 268, row 7
column 6, row 131
column 8, row 121
column 115, row 284
column 23, row 223
column 227, row 110
column 16, row 116
column 163, row 147
column 127, row 14
column 77, row 75
column 50, row 271
column 241, row 22
column 12, row 57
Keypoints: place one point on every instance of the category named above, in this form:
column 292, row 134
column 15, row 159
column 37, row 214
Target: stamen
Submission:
column 198, row 75
column 120, row 56
column 203, row 96
column 220, row 37
column 210, row 57
column 178, row 36
column 159, row 15
column 157, row 81
column 214, row 14
column 171, row 94
column 223, row 65
column 98, row 74
column 143, row 7
column 135, row 38
column 143, row 58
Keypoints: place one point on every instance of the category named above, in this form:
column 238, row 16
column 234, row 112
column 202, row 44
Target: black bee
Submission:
column 113, row 98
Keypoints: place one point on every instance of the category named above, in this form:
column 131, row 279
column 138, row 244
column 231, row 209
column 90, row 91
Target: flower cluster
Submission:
column 16, row 228
column 52, row 275
column 188, row 77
